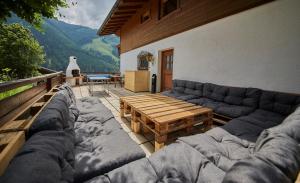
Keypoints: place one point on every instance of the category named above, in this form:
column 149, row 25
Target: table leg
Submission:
column 209, row 122
column 122, row 109
column 190, row 125
column 135, row 125
column 160, row 141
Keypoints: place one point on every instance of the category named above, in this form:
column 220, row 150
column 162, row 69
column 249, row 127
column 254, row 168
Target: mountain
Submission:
column 62, row 40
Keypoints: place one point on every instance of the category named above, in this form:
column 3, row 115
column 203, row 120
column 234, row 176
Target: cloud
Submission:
column 90, row 13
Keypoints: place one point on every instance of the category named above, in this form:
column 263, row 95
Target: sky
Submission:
column 89, row 13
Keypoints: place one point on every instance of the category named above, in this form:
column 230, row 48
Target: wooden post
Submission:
column 160, row 141
column 49, row 84
column 209, row 122
column 121, row 109
column 135, row 125
column 190, row 124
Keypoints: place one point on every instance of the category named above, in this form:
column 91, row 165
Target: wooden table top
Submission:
column 163, row 109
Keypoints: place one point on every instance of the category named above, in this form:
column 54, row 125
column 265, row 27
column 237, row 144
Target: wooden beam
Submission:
column 17, row 100
column 21, row 82
column 129, row 7
column 120, row 17
column 135, row 1
column 125, row 12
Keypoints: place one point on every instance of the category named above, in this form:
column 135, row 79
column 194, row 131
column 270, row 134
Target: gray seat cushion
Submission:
column 191, row 166
column 243, row 129
column 275, row 159
column 233, row 111
column 42, row 159
column 101, row 143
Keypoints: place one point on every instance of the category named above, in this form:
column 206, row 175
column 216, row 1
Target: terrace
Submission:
column 215, row 113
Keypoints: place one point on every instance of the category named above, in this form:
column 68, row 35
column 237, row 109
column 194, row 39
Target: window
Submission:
column 168, row 6
column 145, row 16
column 143, row 65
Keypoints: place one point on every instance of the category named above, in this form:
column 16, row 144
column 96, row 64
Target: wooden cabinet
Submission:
column 137, row 81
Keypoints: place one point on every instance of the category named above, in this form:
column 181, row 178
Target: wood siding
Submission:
column 191, row 14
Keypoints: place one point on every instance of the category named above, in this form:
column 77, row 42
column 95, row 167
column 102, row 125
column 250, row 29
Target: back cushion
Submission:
column 281, row 103
column 243, row 96
column 215, row 92
column 193, row 88
column 178, row 85
column 55, row 116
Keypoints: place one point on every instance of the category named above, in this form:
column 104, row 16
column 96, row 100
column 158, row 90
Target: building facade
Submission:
column 250, row 43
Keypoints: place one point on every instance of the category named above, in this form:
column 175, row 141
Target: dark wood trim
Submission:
column 191, row 14
column 21, row 82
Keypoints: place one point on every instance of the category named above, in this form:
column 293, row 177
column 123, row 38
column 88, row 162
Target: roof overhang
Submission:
column 120, row 13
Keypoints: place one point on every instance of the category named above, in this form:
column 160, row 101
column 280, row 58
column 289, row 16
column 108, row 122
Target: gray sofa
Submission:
column 218, row 156
column 72, row 141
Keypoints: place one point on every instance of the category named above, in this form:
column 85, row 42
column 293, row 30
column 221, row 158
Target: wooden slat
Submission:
column 166, row 108
column 185, row 114
column 148, row 104
column 15, row 101
column 21, row 82
column 161, row 105
column 12, row 114
column 13, row 126
column 10, row 144
column 175, row 111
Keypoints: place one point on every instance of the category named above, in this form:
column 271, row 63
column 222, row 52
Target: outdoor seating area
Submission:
column 172, row 91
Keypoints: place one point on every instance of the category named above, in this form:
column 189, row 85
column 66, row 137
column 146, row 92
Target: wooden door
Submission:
column 166, row 70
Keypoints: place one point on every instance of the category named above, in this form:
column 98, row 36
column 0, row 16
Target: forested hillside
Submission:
column 61, row 40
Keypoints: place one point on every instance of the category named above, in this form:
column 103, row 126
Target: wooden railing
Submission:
column 13, row 105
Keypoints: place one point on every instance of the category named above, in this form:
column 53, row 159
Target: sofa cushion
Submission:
column 220, row 147
column 55, row 116
column 41, row 159
column 243, row 129
column 263, row 118
column 200, row 101
column 243, row 96
column 280, row 103
column 290, row 126
column 215, row 92
column 190, row 166
column 193, row 88
column 100, row 140
column 186, row 97
column 233, row 111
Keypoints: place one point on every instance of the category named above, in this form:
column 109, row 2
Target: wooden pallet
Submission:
column 12, row 133
column 10, row 143
column 163, row 115
column 23, row 120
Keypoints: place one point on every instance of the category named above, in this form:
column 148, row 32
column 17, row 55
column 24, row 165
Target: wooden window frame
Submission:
column 160, row 12
column 143, row 14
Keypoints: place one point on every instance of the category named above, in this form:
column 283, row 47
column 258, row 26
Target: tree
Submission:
column 19, row 51
column 30, row 10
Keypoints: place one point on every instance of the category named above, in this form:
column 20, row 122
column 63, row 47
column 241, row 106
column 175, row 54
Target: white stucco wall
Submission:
column 258, row 48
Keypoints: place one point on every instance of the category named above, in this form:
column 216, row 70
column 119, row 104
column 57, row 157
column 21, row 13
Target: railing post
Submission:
column 49, row 84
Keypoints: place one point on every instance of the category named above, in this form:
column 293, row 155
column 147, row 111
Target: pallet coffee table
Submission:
column 163, row 115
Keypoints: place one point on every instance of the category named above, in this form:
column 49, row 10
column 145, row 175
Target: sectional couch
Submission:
column 251, row 110
column 260, row 146
column 72, row 141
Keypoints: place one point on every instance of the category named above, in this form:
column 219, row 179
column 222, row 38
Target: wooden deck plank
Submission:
column 160, row 106
column 180, row 115
column 153, row 104
column 175, row 111
column 10, row 144
column 16, row 125
column 166, row 108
